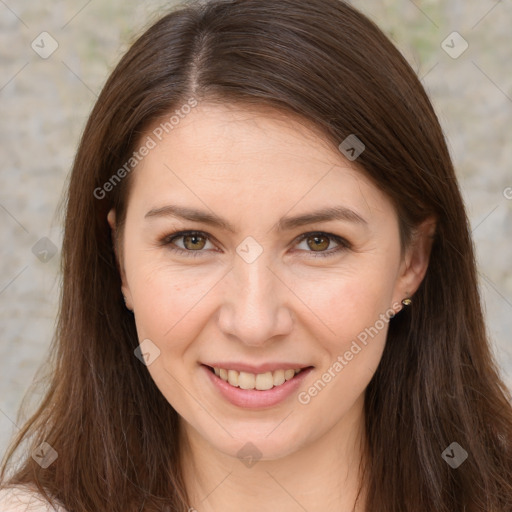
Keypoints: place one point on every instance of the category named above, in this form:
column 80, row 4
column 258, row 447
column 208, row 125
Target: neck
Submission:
column 322, row 475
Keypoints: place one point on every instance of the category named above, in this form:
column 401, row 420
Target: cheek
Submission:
column 355, row 308
column 169, row 303
column 171, row 309
column 348, row 299
column 358, row 318
column 357, row 314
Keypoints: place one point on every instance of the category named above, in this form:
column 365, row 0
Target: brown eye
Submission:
column 318, row 242
column 194, row 242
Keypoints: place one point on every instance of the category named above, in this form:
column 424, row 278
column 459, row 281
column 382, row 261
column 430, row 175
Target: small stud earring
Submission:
column 407, row 302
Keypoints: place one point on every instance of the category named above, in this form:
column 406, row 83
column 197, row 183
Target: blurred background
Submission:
column 54, row 58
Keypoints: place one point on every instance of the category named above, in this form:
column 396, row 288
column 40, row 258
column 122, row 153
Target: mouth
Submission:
column 256, row 381
column 255, row 391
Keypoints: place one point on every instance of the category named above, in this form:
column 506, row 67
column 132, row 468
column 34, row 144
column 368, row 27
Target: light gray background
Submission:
column 45, row 102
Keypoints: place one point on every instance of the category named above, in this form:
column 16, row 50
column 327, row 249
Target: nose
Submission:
column 256, row 303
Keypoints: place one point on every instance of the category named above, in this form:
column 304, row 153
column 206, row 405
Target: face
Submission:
column 228, row 272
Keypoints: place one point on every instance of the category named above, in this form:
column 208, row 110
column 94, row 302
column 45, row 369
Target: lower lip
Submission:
column 254, row 398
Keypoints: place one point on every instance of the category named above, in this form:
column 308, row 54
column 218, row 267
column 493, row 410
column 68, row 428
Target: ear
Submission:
column 125, row 289
column 415, row 262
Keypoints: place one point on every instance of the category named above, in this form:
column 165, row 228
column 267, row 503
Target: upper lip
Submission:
column 261, row 368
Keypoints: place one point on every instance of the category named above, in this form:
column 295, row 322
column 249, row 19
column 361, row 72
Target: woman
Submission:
column 269, row 287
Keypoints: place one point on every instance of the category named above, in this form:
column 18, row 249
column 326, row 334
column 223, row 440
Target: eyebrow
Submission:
column 284, row 224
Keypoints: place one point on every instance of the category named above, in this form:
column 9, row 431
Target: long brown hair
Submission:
column 116, row 436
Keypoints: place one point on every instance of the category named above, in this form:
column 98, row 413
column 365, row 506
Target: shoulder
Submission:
column 24, row 499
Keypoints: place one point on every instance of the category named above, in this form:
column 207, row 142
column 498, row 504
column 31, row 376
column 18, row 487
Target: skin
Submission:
column 253, row 167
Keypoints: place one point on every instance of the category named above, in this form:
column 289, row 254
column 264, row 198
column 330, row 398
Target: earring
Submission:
column 407, row 302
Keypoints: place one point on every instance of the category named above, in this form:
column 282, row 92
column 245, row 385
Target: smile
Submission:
column 255, row 390
column 259, row 381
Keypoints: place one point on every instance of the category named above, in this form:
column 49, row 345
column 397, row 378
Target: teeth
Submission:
column 245, row 380
column 233, row 377
column 264, row 381
column 260, row 381
column 278, row 377
column 288, row 374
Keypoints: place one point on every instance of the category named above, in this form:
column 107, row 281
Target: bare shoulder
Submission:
column 24, row 499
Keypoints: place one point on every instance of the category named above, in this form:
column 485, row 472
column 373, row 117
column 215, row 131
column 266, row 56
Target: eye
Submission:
column 195, row 241
column 319, row 241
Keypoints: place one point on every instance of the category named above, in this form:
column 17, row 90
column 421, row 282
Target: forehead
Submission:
column 246, row 155
column 222, row 133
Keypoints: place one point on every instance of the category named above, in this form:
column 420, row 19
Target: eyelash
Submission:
column 167, row 241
